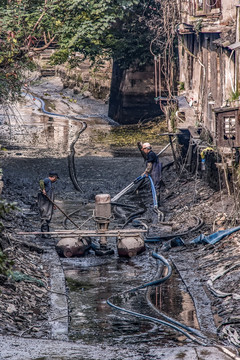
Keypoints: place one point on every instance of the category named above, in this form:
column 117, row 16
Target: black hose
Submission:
column 170, row 236
column 65, row 220
column 133, row 216
column 171, row 323
column 123, row 205
column 71, row 164
column 71, row 160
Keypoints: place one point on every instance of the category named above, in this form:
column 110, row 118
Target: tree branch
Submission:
column 45, row 46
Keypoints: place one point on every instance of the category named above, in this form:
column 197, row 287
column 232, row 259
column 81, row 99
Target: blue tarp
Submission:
column 215, row 237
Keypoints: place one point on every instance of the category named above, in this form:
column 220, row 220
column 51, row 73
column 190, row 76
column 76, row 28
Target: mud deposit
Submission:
column 96, row 330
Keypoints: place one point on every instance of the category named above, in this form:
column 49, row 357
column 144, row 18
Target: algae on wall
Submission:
column 86, row 79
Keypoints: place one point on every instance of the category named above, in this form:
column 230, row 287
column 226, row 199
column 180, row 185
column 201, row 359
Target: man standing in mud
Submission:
column 46, row 201
column 153, row 167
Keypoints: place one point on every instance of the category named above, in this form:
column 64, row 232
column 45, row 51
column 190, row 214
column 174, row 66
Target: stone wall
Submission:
column 131, row 91
column 86, row 79
column 132, row 95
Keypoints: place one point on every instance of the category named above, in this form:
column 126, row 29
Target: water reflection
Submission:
column 94, row 321
column 173, row 299
column 33, row 129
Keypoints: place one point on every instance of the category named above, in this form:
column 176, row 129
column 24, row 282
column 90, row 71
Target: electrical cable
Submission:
column 159, row 237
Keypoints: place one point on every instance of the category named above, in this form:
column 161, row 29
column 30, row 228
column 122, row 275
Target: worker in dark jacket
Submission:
column 46, row 200
column 153, row 167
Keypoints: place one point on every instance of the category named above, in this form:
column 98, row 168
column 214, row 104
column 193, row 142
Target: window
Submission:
column 200, row 5
column 204, row 7
column 229, row 128
column 213, row 4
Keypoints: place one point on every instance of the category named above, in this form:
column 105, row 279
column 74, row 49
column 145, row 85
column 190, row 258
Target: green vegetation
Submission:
column 5, row 264
column 18, row 276
column 127, row 31
column 181, row 86
column 198, row 26
column 5, row 208
column 130, row 135
column 75, row 285
column 235, row 95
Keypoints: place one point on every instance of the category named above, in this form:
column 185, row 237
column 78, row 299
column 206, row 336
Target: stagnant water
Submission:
column 92, row 280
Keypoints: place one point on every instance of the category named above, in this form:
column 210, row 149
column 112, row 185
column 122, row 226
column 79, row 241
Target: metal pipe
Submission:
column 86, row 232
column 123, row 191
column 165, row 148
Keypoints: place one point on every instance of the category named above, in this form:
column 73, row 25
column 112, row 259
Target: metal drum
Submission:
column 129, row 246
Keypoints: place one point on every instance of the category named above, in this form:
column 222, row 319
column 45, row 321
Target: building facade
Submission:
column 209, row 78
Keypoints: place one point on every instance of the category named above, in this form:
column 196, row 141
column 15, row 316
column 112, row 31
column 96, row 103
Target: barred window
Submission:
column 229, row 128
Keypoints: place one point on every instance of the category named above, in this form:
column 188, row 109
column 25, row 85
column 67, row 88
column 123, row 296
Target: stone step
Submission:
column 48, row 72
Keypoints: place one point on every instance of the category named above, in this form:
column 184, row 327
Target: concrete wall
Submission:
column 87, row 79
column 132, row 95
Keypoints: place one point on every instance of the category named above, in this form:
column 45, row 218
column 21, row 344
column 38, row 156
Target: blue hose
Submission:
column 154, row 195
column 43, row 107
column 171, row 323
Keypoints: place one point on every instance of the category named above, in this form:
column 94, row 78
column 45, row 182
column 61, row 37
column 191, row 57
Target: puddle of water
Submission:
column 92, row 280
column 173, row 299
column 93, row 320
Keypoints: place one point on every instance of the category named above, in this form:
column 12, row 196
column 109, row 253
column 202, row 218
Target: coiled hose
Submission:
column 185, row 330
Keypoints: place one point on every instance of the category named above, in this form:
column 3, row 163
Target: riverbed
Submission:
column 42, row 145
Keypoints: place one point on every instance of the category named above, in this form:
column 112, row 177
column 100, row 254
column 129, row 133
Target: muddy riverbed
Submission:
column 95, row 330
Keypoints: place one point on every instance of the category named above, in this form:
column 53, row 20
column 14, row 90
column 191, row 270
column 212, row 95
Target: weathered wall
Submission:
column 132, row 95
column 208, row 67
column 131, row 92
column 86, row 79
column 83, row 79
column 211, row 15
column 207, row 74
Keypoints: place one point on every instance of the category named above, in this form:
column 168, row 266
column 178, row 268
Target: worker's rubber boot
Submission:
column 45, row 228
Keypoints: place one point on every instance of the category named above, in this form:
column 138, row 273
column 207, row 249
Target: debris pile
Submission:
column 218, row 266
column 24, row 305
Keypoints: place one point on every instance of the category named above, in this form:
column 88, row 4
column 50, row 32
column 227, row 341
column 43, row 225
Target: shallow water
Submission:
column 92, row 280
column 173, row 299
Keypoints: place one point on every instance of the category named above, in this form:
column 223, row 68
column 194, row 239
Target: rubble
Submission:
column 24, row 305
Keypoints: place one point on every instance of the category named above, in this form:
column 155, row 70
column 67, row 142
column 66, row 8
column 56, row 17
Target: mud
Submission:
column 96, row 329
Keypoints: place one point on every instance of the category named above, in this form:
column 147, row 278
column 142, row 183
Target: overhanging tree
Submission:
column 118, row 29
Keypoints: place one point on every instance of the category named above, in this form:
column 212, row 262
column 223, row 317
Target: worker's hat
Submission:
column 53, row 173
column 146, row 146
